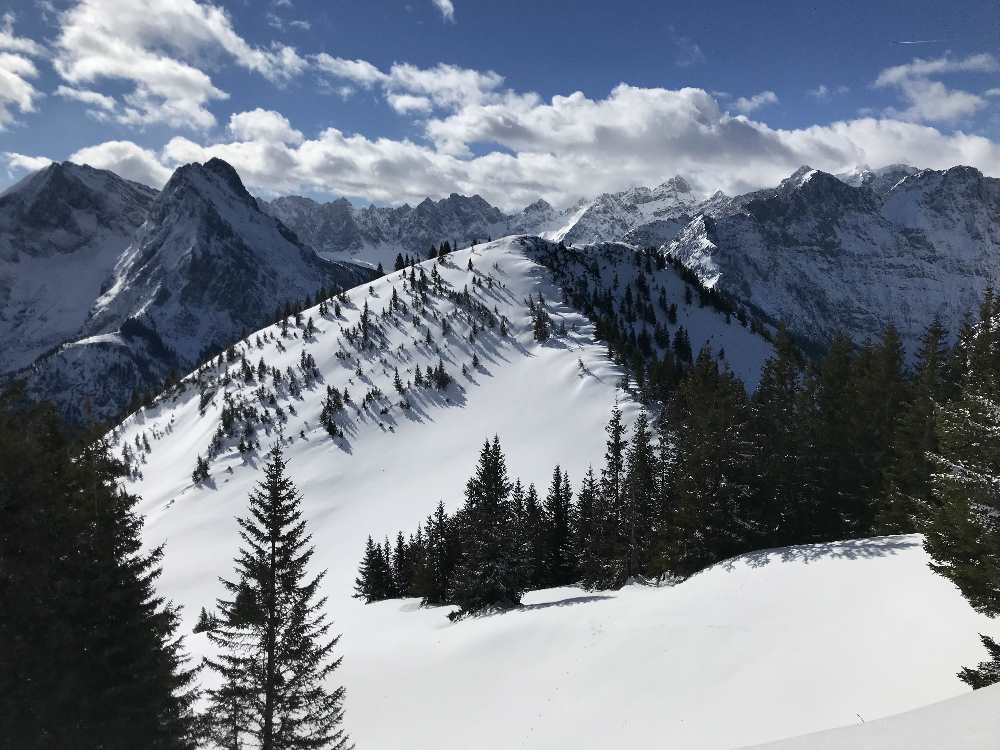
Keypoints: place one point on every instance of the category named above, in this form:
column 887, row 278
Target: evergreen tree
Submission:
column 963, row 535
column 276, row 653
column 602, row 567
column 907, row 477
column 559, row 563
column 372, row 583
column 489, row 573
column 639, row 501
column 534, row 540
column 785, row 497
column 710, row 477
column 90, row 655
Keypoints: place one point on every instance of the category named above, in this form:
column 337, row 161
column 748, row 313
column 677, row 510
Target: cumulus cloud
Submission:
column 931, row 100
column 126, row 159
column 16, row 68
column 747, row 105
column 447, row 8
column 149, row 45
column 574, row 146
column 23, row 163
column 442, row 85
column 513, row 147
column 264, row 125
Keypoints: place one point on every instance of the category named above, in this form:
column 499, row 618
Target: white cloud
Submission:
column 409, row 89
column 11, row 43
column 514, row 147
column 16, row 91
column 826, row 92
column 404, row 103
column 360, row 72
column 991, row 92
column 746, row 106
column 151, row 44
column 447, row 8
column 93, row 98
column 930, row 100
column 22, row 163
column 263, row 125
column 125, row 159
column 571, row 146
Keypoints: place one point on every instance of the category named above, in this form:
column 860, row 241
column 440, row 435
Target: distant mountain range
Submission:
column 106, row 285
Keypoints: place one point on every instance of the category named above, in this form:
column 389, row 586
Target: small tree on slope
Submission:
column 276, row 653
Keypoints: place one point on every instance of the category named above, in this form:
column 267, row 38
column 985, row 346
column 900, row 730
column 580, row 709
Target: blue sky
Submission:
column 391, row 101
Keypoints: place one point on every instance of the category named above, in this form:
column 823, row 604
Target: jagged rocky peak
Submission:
column 63, row 206
column 212, row 180
column 880, row 180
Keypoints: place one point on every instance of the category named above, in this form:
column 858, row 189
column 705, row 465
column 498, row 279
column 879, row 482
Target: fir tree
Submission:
column 559, row 557
column 90, row 654
column 488, row 574
column 963, row 535
column 276, row 653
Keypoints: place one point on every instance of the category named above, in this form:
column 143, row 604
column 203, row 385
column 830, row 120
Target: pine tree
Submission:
column 639, row 501
column 488, row 573
column 90, row 654
column 963, row 535
column 560, row 569
column 372, row 584
column 602, row 566
column 275, row 651
column 710, row 476
column 785, row 498
column 534, row 541
column 906, row 498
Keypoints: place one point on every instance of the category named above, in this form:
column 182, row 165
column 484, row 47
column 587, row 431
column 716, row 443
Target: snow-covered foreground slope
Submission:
column 968, row 722
column 768, row 646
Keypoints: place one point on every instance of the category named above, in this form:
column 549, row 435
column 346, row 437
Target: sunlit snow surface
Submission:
column 768, row 646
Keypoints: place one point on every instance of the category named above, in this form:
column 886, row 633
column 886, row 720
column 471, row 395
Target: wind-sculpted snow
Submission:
column 779, row 643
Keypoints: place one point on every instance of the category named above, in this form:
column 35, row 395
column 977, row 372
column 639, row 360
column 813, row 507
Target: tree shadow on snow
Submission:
column 851, row 549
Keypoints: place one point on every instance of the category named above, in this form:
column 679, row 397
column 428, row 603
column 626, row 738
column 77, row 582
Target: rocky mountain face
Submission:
column 205, row 267
column 826, row 254
column 375, row 234
column 62, row 230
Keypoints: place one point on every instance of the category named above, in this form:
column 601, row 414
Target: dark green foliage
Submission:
column 275, row 648
column 986, row 673
column 489, row 570
column 559, row 556
column 90, row 655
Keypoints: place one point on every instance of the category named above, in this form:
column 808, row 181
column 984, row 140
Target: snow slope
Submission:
column 968, row 722
column 766, row 646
